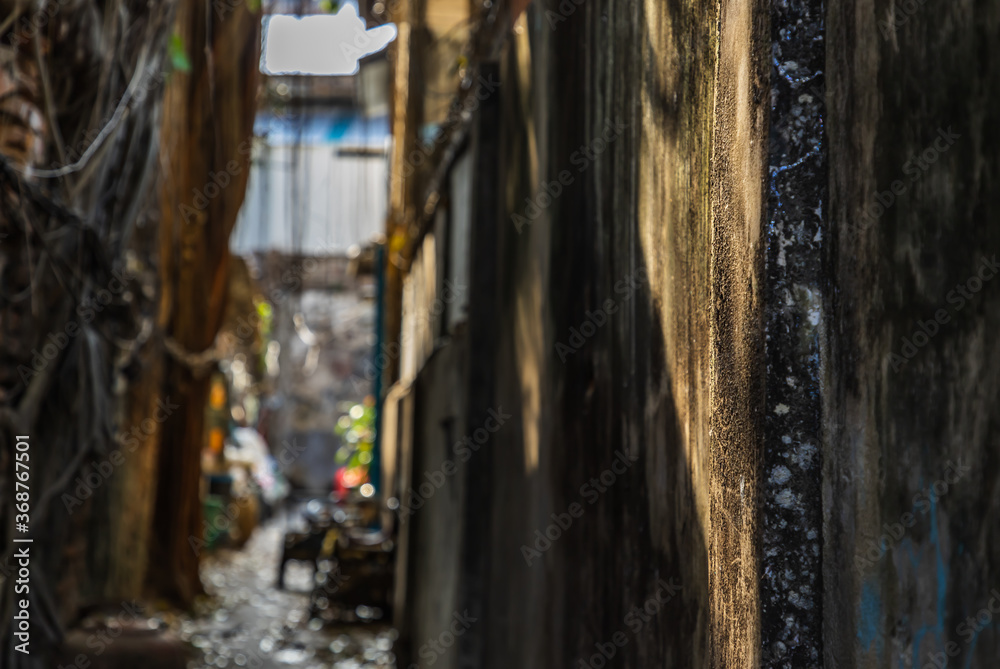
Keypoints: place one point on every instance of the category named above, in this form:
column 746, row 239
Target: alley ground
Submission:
column 247, row 622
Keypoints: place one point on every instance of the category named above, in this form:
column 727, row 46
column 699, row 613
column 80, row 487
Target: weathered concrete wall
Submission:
column 433, row 509
column 701, row 260
column 737, row 293
column 659, row 233
column 628, row 305
column 914, row 97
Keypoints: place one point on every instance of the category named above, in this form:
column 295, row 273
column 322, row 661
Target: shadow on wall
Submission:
column 597, row 513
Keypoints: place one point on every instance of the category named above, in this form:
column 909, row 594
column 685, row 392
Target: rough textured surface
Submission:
column 207, row 125
column 796, row 299
column 669, row 203
column 773, row 371
column 737, row 365
column 898, row 75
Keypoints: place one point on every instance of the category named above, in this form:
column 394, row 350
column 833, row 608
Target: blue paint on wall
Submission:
column 941, row 592
column 870, row 617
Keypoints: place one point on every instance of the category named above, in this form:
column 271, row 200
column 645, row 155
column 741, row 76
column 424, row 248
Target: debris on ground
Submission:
column 245, row 621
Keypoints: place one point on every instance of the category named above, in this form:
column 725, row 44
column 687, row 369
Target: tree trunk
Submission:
column 206, row 134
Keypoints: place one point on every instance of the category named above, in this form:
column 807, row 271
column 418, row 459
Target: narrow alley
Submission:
column 499, row 334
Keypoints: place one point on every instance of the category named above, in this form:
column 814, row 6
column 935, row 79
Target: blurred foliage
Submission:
column 179, row 59
column 265, row 312
column 356, row 430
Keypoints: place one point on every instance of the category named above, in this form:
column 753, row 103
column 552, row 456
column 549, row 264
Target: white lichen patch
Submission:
column 811, row 303
column 780, row 475
column 781, row 409
column 785, row 499
column 783, row 242
column 799, row 601
column 803, row 455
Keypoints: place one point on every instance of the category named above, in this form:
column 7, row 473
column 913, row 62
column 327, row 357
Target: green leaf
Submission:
column 329, row 6
column 178, row 54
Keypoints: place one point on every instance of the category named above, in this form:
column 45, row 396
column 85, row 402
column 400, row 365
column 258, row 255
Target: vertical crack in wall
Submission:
column 795, row 295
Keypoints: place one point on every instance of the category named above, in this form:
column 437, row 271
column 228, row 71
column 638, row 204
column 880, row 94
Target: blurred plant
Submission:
column 179, row 58
column 265, row 313
column 356, row 430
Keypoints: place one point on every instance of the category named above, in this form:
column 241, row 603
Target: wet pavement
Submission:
column 245, row 621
